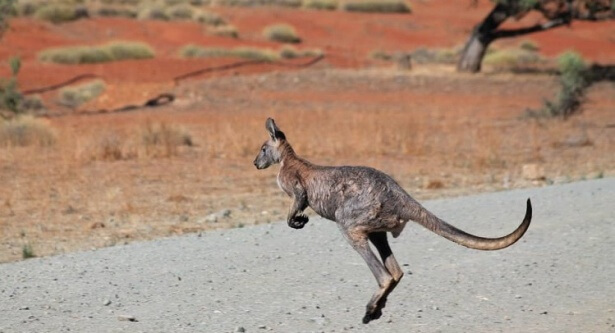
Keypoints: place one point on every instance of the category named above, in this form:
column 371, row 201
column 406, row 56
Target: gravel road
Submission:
column 558, row 278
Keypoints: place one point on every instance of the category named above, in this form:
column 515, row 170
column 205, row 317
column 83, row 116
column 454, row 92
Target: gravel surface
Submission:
column 558, row 278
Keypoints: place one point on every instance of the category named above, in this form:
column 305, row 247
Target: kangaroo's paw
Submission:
column 372, row 314
column 298, row 221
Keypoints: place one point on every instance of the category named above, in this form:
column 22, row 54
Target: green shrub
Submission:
column 10, row 97
column 113, row 51
column 321, row 4
column 58, row 13
column 573, row 82
column 26, row 131
column 283, row 33
column 77, row 95
column 377, row 6
column 27, row 252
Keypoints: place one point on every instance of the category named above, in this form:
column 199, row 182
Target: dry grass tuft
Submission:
column 282, row 33
column 113, row 51
column 163, row 140
column 224, row 31
column 80, row 94
column 321, row 4
column 194, row 51
column 377, row 6
column 26, row 131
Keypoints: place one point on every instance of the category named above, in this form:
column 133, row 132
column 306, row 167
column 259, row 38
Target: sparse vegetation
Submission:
column 77, row 95
column 27, row 251
column 59, row 13
column 289, row 52
column 377, row 6
column 574, row 79
column 209, row 18
column 321, row 4
column 114, row 51
column 528, row 45
column 117, row 12
column 24, row 131
column 10, row 97
column 193, row 51
column 162, row 139
column 282, row 33
column 252, row 3
column 224, row 31
column 153, row 12
column 440, row 55
column 507, row 59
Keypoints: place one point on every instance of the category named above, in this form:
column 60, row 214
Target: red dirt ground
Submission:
column 346, row 38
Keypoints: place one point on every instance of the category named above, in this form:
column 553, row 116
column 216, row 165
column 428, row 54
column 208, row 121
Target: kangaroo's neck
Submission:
column 289, row 159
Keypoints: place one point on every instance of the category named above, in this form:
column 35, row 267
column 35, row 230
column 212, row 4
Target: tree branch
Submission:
column 535, row 28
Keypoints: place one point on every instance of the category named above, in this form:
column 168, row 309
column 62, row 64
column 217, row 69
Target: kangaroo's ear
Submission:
column 273, row 130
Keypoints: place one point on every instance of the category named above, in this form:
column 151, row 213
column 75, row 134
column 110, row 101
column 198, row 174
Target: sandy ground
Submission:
column 558, row 278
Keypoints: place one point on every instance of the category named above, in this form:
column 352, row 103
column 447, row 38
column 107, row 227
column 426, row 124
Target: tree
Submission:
column 557, row 13
column 7, row 9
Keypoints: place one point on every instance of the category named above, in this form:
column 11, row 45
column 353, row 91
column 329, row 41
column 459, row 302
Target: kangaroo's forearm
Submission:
column 295, row 218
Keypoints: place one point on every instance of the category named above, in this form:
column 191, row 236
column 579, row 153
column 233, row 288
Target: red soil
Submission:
column 346, row 38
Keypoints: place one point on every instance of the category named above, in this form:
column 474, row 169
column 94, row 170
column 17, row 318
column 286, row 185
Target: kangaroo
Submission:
column 366, row 204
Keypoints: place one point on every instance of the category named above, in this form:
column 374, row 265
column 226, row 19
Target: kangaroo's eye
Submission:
column 264, row 149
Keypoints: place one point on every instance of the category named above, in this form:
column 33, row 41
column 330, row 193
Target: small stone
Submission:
column 107, row 302
column 240, row 329
column 517, row 296
column 127, row 318
column 262, row 327
column 24, row 308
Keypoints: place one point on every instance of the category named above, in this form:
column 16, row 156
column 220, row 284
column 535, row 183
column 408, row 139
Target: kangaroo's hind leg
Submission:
column 358, row 239
column 379, row 239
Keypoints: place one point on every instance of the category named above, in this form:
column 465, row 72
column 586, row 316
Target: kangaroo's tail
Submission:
column 440, row 227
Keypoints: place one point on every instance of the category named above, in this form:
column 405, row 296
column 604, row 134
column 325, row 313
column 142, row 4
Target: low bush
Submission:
column 511, row 58
column 77, row 95
column 163, row 140
column 253, row 3
column 289, row 52
column 208, row 18
column 193, row 51
column 26, row 131
column 58, row 13
column 574, row 79
column 113, row 51
column 283, row 33
column 377, row 6
column 321, row 4
column 117, row 12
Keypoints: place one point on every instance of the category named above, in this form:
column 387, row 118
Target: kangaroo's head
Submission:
column 271, row 150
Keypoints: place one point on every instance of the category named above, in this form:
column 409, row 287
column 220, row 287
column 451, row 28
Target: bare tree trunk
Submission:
column 475, row 48
column 472, row 54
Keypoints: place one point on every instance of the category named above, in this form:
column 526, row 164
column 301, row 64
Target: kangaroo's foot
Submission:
column 298, row 221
